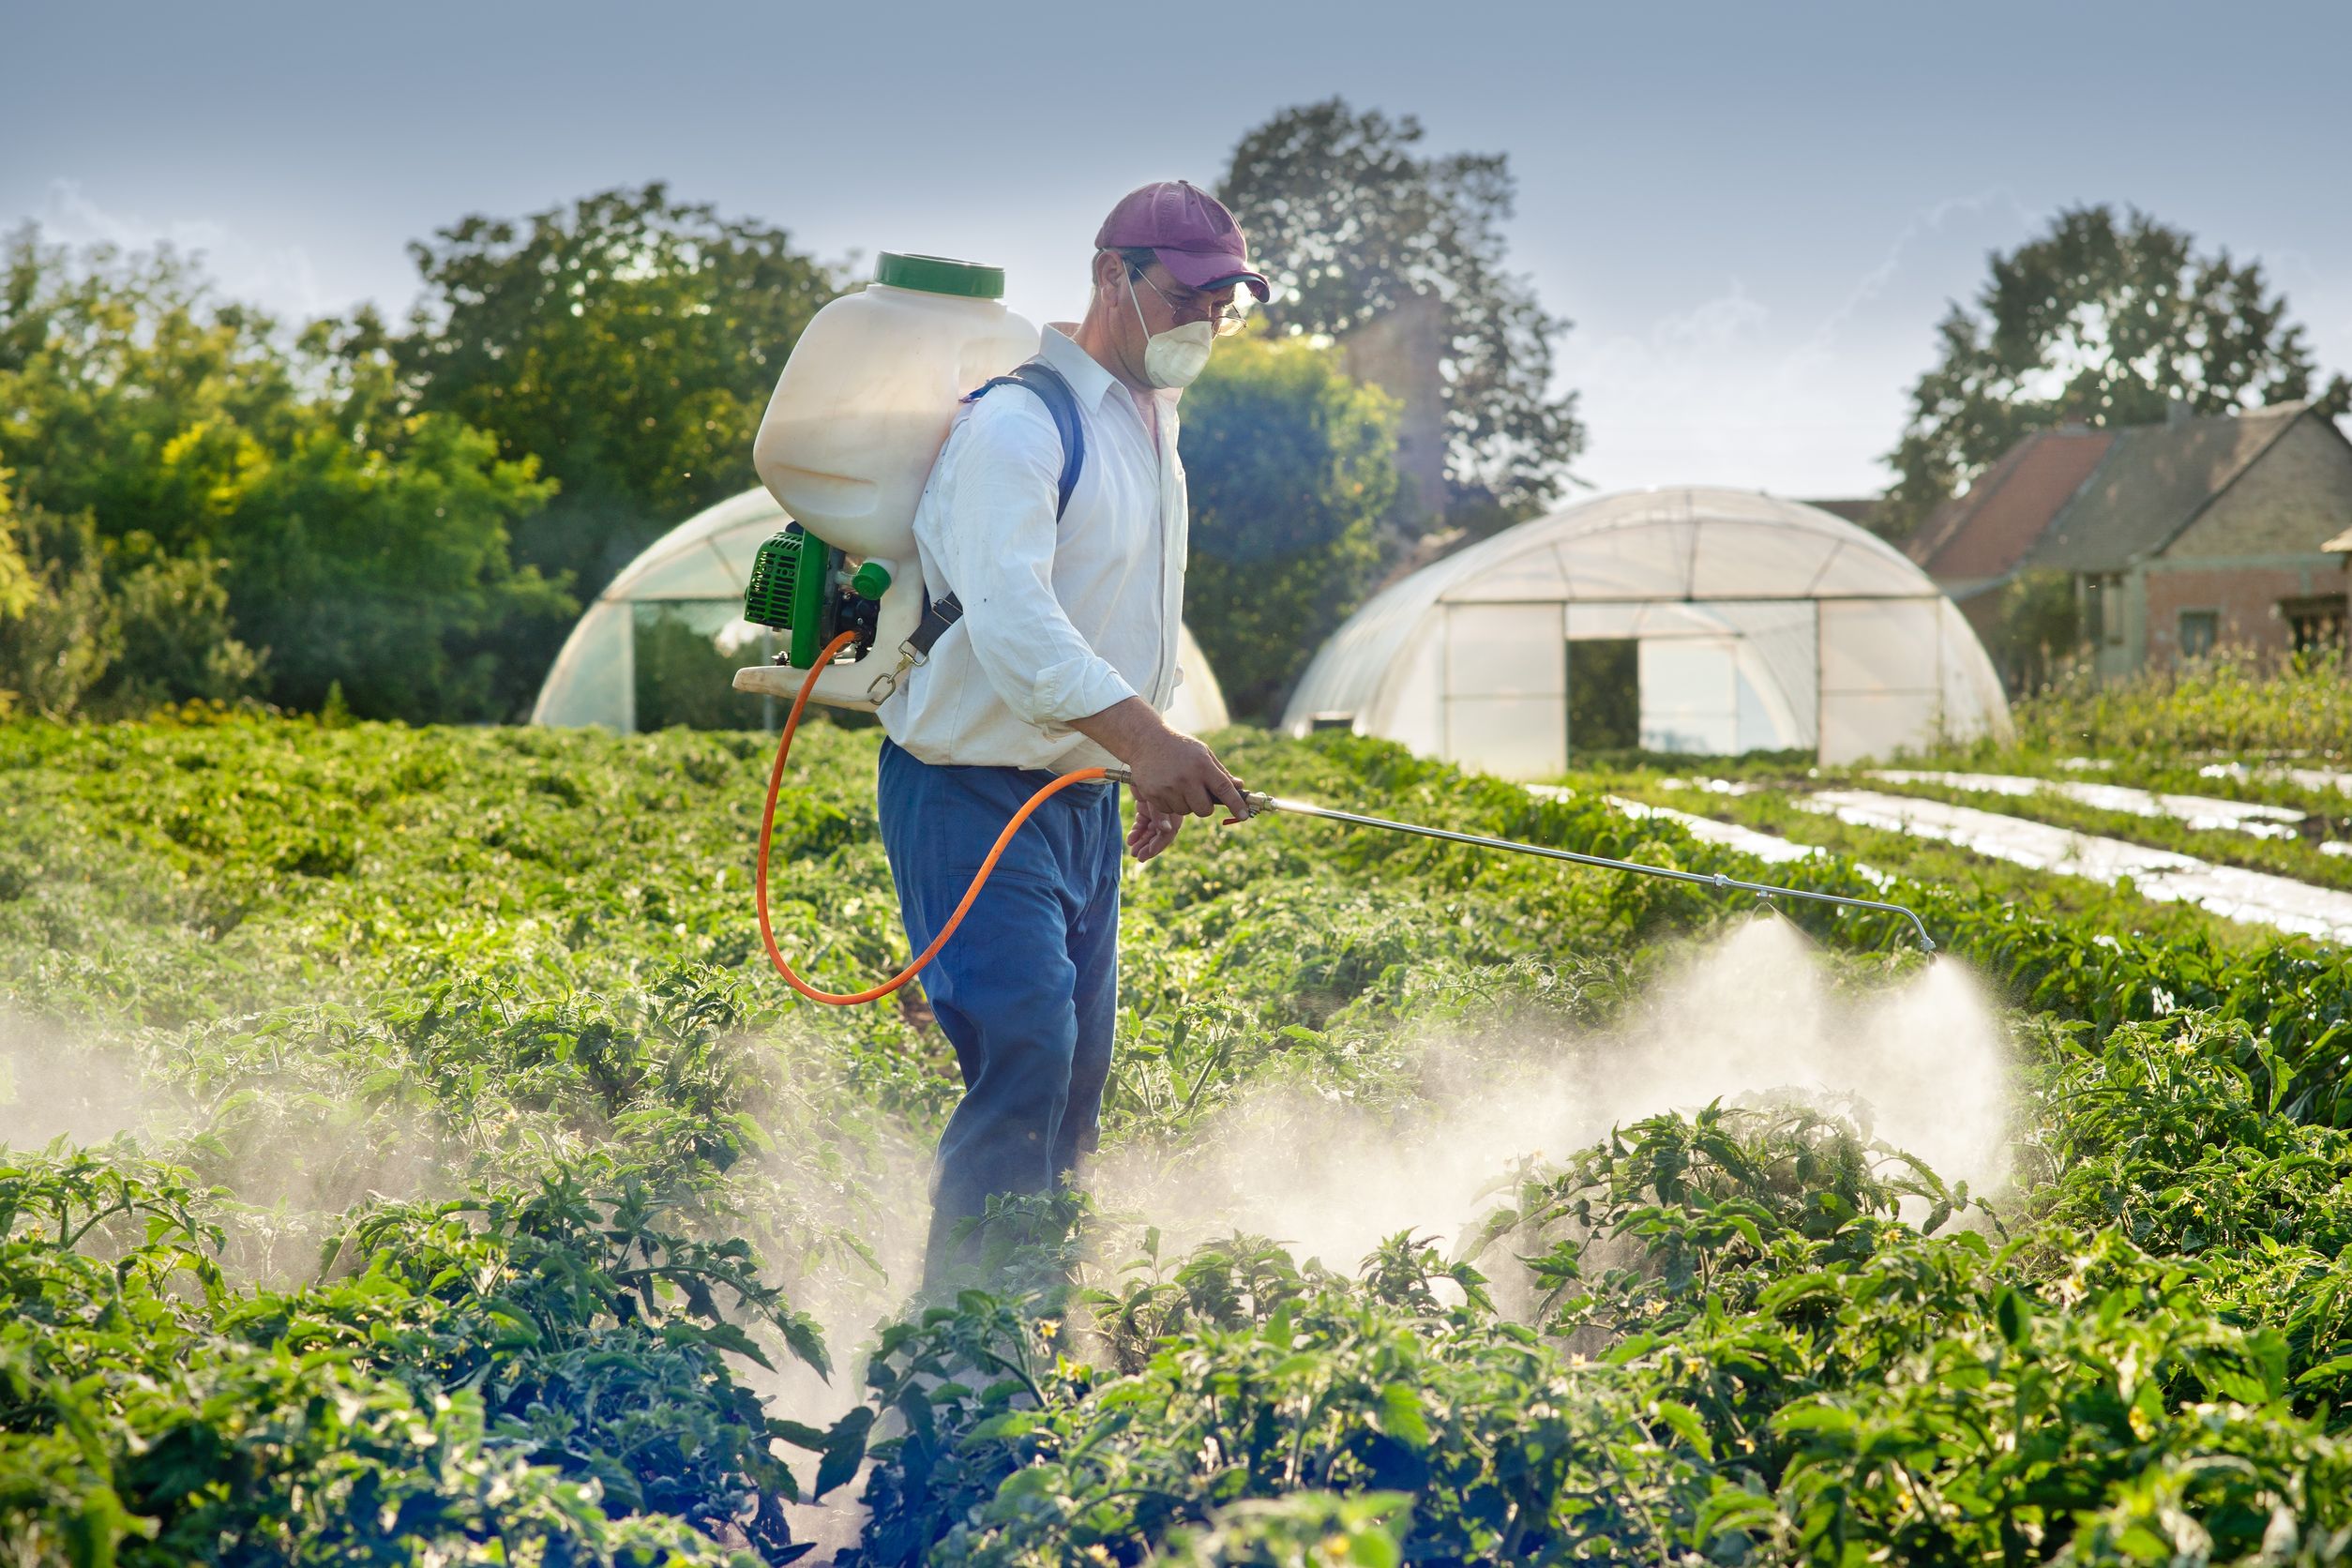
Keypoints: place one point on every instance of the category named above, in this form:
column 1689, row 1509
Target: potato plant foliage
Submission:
column 410, row 1160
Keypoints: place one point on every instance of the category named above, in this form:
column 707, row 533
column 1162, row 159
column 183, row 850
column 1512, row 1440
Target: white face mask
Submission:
column 1173, row 358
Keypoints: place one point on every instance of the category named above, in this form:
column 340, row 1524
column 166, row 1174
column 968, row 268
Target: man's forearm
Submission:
column 1127, row 728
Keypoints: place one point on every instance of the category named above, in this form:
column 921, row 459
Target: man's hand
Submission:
column 1172, row 774
column 1177, row 775
column 1152, row 832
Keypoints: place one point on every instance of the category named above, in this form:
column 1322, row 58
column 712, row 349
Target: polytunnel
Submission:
column 1706, row 621
column 661, row 645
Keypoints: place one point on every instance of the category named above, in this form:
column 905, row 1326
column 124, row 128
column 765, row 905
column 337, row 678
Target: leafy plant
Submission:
column 472, row 1015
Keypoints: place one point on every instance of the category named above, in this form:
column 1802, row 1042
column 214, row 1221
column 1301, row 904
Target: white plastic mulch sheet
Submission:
column 2309, row 778
column 1731, row 836
column 2255, row 897
column 1706, row 829
column 2196, row 811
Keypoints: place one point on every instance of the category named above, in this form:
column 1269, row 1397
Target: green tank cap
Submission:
column 871, row 581
column 940, row 275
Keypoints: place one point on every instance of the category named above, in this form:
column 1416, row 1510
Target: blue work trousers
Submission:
column 1027, row 990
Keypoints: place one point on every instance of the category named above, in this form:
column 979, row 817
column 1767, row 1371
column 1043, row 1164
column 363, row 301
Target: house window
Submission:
column 2198, row 630
column 2111, row 610
column 2315, row 624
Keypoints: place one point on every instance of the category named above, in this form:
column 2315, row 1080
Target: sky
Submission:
column 1753, row 214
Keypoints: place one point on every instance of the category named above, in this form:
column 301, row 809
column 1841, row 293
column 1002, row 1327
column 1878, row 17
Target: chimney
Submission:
column 2177, row 411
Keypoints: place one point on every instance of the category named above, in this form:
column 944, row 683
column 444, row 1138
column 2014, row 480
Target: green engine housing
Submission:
column 800, row 585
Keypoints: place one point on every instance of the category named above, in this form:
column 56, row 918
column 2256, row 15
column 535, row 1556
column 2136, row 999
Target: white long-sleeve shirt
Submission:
column 1060, row 619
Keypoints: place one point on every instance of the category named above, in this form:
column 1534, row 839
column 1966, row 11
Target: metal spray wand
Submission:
column 1264, row 803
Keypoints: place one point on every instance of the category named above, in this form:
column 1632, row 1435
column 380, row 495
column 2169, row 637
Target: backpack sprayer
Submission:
column 846, row 447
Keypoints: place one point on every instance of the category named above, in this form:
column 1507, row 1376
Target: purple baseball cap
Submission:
column 1196, row 239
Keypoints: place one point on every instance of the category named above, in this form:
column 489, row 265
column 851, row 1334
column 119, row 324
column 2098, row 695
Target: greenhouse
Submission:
column 661, row 645
column 1689, row 621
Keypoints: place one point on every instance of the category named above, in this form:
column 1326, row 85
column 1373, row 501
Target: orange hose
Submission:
column 979, row 879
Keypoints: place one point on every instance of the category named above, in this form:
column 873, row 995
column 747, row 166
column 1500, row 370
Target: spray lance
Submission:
column 1262, row 804
column 761, row 677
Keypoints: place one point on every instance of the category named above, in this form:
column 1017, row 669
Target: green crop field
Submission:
column 407, row 1156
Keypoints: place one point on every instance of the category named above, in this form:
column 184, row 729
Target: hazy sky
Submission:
column 1753, row 213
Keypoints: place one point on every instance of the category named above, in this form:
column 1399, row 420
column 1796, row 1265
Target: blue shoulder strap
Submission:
column 1061, row 404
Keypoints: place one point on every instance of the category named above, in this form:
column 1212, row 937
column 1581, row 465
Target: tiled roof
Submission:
column 2154, row 482
column 1982, row 533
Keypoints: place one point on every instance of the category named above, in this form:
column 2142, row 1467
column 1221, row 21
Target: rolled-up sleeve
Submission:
column 994, row 533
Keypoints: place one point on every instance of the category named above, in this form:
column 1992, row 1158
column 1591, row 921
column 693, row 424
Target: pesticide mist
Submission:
column 1921, row 1065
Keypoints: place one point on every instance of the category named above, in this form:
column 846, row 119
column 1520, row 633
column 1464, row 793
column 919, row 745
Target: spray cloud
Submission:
column 1753, row 1013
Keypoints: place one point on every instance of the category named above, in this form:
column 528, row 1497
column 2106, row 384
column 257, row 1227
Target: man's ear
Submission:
column 1110, row 267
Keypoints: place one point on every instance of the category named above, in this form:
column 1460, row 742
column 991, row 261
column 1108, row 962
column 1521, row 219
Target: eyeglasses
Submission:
column 1225, row 321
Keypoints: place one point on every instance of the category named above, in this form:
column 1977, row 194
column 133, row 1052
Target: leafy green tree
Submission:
column 1351, row 219
column 22, row 589
column 247, row 508
column 1291, row 466
column 56, row 649
column 2104, row 320
column 126, row 388
column 374, row 549
column 629, row 342
column 16, row 577
column 2037, row 630
column 112, row 628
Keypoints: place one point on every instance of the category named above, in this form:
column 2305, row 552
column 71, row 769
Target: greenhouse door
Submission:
column 1506, row 688
column 1603, row 695
column 1690, row 695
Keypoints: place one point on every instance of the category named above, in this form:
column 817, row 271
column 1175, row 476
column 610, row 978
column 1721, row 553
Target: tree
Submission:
column 107, row 628
column 17, row 587
column 2102, row 320
column 1291, row 466
column 126, row 389
column 1349, row 220
column 372, row 551
column 217, row 507
column 2036, row 630
column 628, row 342
column 20, row 591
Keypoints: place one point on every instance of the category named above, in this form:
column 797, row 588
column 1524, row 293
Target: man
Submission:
column 1064, row 658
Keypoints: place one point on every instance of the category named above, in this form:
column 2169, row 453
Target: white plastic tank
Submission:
column 865, row 400
column 856, row 421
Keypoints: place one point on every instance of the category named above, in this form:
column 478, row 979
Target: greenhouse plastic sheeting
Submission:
column 698, row 570
column 1507, row 712
column 1881, row 675
column 1761, row 623
column 593, row 677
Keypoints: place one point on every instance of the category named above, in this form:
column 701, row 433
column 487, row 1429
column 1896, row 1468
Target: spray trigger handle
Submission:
column 1256, row 802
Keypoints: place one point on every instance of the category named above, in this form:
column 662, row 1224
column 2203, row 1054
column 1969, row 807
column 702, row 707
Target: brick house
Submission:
column 2180, row 536
column 1972, row 543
